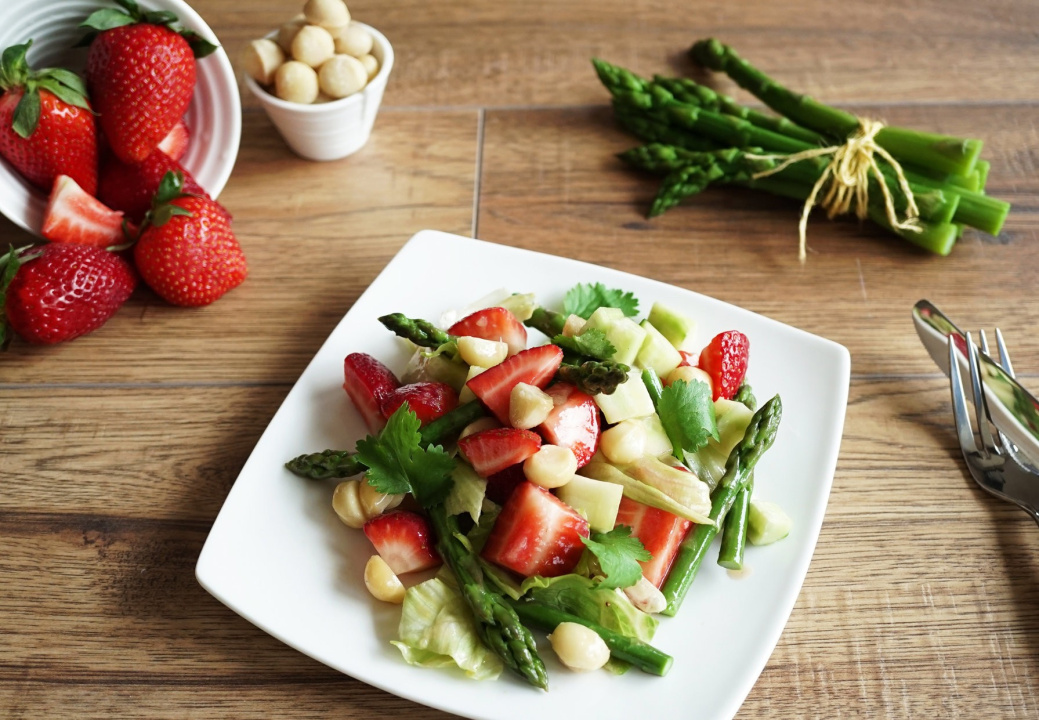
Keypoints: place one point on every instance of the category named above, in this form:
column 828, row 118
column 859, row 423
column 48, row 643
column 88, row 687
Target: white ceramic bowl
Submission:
column 331, row 130
column 214, row 115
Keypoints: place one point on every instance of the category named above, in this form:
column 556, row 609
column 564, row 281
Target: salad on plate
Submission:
column 563, row 470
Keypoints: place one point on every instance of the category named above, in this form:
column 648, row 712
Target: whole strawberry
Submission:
column 187, row 252
column 60, row 291
column 141, row 75
column 46, row 126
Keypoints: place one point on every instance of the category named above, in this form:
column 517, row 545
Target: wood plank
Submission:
column 315, row 234
column 551, row 183
column 511, row 54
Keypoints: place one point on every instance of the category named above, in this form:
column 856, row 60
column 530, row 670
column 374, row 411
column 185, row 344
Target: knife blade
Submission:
column 1014, row 410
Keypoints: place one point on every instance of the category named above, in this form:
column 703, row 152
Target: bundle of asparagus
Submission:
column 697, row 137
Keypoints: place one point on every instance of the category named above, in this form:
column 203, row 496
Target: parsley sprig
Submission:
column 583, row 299
column 618, row 555
column 686, row 411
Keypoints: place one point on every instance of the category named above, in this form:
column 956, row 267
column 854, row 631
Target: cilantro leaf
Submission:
column 592, row 343
column 618, row 554
column 687, row 413
column 584, row 299
column 397, row 462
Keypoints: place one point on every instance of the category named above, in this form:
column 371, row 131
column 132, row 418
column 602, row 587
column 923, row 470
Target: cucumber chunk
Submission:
column 629, row 400
column 657, row 353
column 596, row 500
column 678, row 328
column 767, row 522
column 623, row 333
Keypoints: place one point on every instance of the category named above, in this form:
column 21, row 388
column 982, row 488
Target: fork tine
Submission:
column 959, row 402
column 980, row 402
column 1004, row 356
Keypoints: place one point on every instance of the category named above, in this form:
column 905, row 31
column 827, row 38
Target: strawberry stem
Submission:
column 131, row 14
column 15, row 73
column 171, row 188
column 9, row 264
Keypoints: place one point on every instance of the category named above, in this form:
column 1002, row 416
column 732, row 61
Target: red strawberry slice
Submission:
column 573, row 422
column 725, row 359
column 501, row 484
column 660, row 532
column 130, row 187
column 404, row 540
column 74, row 216
column 492, row 451
column 536, row 534
column 535, row 366
column 175, row 144
column 428, row 400
column 367, row 382
column 688, row 358
column 493, row 323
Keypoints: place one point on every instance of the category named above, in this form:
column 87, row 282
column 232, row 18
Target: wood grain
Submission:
column 117, row 450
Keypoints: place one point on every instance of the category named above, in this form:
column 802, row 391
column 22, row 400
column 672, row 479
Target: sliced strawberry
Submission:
column 493, row 323
column 660, row 532
column 535, row 366
column 404, row 540
column 536, row 534
column 367, row 381
column 175, row 144
column 74, row 216
column 501, row 484
column 573, row 422
column 725, row 359
column 492, row 451
column 428, row 400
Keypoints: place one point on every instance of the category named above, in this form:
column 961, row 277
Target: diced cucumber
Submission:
column 709, row 462
column 438, row 368
column 596, row 500
column 465, row 394
column 520, row 305
column 678, row 328
column 681, row 486
column 657, row 353
column 658, row 444
column 623, row 333
column 629, row 400
column 767, row 522
column 641, row 492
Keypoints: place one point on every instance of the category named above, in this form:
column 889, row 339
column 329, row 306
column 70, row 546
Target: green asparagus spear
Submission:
column 497, row 621
column 421, row 332
column 745, row 395
column 595, row 376
column 939, row 152
column 642, row 655
column 759, row 436
column 343, row 463
column 734, row 531
column 548, row 322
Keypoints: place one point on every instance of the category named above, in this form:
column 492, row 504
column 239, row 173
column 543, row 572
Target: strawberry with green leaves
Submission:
column 187, row 252
column 141, row 75
column 59, row 291
column 46, row 124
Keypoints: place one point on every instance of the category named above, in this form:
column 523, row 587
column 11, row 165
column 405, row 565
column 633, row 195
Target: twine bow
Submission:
column 850, row 168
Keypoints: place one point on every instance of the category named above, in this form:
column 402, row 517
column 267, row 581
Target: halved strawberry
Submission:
column 535, row 366
column 491, row 451
column 725, row 359
column 573, row 422
column 74, row 216
column 175, row 144
column 428, row 400
column 493, row 323
column 367, row 381
column 404, row 540
column 660, row 532
column 536, row 534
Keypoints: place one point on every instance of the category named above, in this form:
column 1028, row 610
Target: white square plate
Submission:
column 278, row 555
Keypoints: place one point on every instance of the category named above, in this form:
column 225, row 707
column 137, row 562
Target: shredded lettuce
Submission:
column 587, row 599
column 467, row 492
column 437, row 630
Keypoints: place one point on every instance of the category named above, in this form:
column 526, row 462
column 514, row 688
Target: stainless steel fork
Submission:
column 993, row 462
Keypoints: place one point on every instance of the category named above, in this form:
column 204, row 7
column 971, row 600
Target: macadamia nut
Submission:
column 296, row 82
column 261, row 58
column 327, row 13
column 342, row 75
column 371, row 65
column 353, row 40
column 313, row 45
column 287, row 33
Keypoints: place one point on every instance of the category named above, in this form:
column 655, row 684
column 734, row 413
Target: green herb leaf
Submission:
column 592, row 343
column 618, row 554
column 397, row 462
column 687, row 413
column 584, row 299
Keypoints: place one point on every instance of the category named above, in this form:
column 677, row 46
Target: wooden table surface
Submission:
column 117, row 450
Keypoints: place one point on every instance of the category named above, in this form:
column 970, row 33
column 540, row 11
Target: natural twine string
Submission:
column 850, row 168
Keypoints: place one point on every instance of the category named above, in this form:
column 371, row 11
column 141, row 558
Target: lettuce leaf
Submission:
column 467, row 492
column 437, row 630
column 588, row 599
